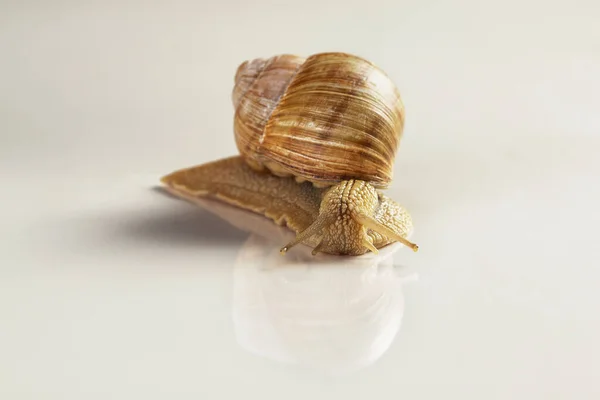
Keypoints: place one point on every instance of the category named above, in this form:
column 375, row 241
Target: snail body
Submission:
column 317, row 139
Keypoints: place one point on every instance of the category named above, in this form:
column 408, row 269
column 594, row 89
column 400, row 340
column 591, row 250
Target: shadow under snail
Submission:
column 317, row 139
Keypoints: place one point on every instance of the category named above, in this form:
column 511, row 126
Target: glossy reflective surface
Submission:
column 111, row 290
column 333, row 315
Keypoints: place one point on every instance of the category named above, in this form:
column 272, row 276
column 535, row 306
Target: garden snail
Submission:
column 317, row 138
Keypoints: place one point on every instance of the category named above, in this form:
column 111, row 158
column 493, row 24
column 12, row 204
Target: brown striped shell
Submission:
column 324, row 119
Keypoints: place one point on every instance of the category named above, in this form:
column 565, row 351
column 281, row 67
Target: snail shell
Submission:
column 324, row 119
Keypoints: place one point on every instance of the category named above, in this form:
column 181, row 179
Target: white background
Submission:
column 109, row 289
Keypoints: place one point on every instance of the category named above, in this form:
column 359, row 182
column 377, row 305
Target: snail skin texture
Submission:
column 317, row 139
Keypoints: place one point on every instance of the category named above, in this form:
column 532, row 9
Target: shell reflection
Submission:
column 332, row 315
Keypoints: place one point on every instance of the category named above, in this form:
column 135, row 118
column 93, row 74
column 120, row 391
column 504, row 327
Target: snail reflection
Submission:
column 332, row 314
column 332, row 317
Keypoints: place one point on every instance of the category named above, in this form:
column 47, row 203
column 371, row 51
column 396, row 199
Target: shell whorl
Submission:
column 326, row 118
column 245, row 76
column 259, row 84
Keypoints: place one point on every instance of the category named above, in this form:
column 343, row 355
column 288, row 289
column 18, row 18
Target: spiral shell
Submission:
column 324, row 119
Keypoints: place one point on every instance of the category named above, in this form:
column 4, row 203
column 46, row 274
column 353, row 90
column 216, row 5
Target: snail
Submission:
column 317, row 138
